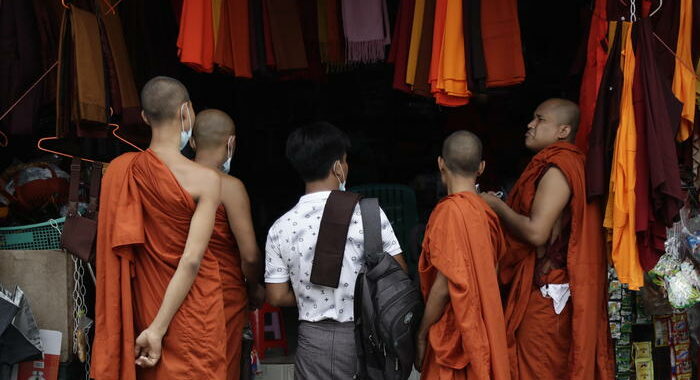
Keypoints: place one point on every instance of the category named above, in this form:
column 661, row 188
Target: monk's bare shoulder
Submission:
column 232, row 189
column 201, row 179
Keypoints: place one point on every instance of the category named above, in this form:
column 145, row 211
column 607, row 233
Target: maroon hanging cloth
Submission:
column 606, row 118
column 398, row 54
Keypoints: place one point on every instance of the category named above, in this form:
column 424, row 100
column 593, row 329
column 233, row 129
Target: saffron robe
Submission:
column 464, row 242
column 143, row 224
column 589, row 353
column 225, row 248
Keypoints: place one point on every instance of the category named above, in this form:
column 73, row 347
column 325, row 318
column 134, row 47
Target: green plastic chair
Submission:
column 399, row 205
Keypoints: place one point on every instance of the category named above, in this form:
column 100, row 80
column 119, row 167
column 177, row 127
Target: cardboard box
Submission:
column 46, row 278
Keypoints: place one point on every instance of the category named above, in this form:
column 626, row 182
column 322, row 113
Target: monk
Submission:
column 159, row 311
column 462, row 334
column 555, row 266
column 233, row 241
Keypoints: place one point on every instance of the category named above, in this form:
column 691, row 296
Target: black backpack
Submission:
column 388, row 308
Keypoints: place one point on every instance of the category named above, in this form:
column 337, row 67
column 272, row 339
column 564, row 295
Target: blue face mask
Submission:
column 226, row 166
column 341, row 184
column 185, row 135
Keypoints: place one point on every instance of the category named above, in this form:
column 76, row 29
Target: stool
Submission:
column 276, row 327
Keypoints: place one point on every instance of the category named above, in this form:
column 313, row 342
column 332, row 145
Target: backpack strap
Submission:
column 372, row 230
column 332, row 238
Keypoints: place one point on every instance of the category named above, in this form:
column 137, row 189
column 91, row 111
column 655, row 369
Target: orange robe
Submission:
column 684, row 76
column 225, row 248
column 448, row 73
column 503, row 52
column 232, row 52
column 537, row 349
column 597, row 56
column 143, row 225
column 620, row 213
column 195, row 42
column 464, row 241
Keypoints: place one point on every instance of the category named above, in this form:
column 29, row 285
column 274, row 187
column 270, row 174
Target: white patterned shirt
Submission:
column 289, row 254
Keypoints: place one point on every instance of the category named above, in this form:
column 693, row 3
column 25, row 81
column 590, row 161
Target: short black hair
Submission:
column 312, row 149
column 162, row 97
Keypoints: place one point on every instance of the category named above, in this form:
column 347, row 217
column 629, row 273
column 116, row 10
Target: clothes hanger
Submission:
column 661, row 4
column 114, row 133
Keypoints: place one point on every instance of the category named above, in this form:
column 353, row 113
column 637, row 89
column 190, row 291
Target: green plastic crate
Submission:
column 38, row 236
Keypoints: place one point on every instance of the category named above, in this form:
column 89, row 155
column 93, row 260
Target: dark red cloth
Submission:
column 663, row 113
column 596, row 56
column 401, row 43
column 601, row 141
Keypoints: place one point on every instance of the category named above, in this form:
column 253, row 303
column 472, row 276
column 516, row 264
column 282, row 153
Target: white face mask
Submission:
column 185, row 135
column 226, row 166
column 341, row 185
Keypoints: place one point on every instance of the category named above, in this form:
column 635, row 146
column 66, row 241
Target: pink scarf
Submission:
column 366, row 26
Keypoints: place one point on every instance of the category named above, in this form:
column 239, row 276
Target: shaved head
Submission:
column 212, row 128
column 462, row 153
column 162, row 97
column 565, row 112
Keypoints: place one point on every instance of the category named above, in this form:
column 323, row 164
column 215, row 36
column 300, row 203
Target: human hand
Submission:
column 148, row 348
column 256, row 297
column 421, row 344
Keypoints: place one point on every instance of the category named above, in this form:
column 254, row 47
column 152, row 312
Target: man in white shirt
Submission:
column 326, row 345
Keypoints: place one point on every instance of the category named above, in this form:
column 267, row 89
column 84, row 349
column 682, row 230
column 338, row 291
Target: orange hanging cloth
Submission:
column 596, row 57
column 225, row 248
column 143, row 225
column 684, row 76
column 233, row 50
column 195, row 42
column 464, row 242
column 574, row 343
column 620, row 213
column 503, row 53
column 449, row 69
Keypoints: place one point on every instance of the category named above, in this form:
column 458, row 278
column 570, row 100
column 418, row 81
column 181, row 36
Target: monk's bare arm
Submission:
column 201, row 227
column 551, row 198
column 434, row 307
column 280, row 295
column 401, row 261
column 235, row 200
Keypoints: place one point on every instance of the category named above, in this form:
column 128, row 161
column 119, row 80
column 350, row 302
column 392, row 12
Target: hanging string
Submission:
column 12, row 107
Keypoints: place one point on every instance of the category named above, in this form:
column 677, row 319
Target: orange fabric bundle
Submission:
column 621, row 208
column 196, row 39
column 233, row 47
column 596, row 58
column 684, row 76
column 143, row 224
column 503, row 53
column 448, row 68
column 464, row 242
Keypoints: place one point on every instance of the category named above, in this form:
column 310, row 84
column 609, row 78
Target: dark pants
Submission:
column 326, row 351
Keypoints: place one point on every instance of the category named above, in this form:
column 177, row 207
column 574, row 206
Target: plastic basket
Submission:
column 32, row 237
